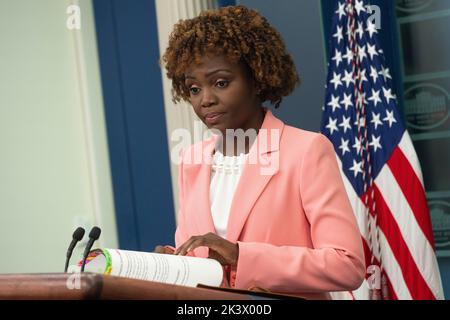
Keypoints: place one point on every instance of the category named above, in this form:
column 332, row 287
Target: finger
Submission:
column 209, row 240
column 168, row 250
column 182, row 247
column 159, row 249
column 187, row 248
column 185, row 245
column 195, row 244
column 216, row 256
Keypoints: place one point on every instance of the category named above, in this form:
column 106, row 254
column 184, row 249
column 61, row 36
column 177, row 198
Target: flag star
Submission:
column 332, row 125
column 334, row 103
column 390, row 118
column 360, row 30
column 336, row 80
column 362, row 53
column 376, row 120
column 347, row 101
column 349, row 56
column 338, row 35
column 344, row 146
column 338, row 57
column 348, row 78
column 345, row 124
column 371, row 28
column 374, row 74
column 359, row 6
column 341, row 10
column 375, row 97
column 385, row 73
column 357, row 145
column 372, row 51
column 375, row 143
column 388, row 95
column 356, row 168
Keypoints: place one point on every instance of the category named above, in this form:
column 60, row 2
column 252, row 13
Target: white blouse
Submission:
column 226, row 171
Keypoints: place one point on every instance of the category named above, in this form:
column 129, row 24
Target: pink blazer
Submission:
column 290, row 214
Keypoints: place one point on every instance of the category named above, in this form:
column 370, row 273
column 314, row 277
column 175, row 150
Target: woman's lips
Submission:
column 213, row 118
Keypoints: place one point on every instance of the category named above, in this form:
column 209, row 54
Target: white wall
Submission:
column 54, row 166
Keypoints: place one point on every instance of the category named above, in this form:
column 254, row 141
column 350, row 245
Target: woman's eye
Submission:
column 194, row 90
column 222, row 83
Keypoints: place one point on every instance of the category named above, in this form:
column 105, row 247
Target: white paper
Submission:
column 166, row 268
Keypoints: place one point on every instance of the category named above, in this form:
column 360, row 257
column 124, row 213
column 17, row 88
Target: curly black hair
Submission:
column 241, row 34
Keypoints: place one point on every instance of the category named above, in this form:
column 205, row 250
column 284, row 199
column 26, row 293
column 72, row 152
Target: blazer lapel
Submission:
column 262, row 164
column 199, row 173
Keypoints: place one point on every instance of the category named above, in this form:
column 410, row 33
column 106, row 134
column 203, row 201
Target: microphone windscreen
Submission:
column 78, row 234
column 95, row 233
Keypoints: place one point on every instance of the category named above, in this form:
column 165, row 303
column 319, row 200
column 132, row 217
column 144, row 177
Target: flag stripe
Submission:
column 412, row 190
column 390, row 264
column 408, row 150
column 417, row 286
column 418, row 246
column 393, row 269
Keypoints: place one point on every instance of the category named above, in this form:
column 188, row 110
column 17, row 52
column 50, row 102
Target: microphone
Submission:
column 77, row 236
column 93, row 235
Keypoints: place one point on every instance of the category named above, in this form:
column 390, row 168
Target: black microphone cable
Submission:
column 77, row 236
column 93, row 235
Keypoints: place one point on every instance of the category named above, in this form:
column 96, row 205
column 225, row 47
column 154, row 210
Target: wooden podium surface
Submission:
column 73, row 286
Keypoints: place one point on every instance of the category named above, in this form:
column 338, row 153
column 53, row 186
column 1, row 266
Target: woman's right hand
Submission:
column 163, row 249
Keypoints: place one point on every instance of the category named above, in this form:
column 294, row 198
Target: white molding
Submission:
column 168, row 13
column 88, row 75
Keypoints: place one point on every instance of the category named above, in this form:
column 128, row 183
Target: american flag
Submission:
column 379, row 166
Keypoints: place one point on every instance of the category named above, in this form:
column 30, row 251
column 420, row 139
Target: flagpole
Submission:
column 370, row 207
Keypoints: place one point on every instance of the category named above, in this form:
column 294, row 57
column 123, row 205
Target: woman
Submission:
column 279, row 218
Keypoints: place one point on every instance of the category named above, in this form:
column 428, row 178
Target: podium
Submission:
column 90, row 286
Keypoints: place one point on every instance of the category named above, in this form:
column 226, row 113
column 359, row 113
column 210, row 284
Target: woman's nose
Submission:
column 208, row 98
